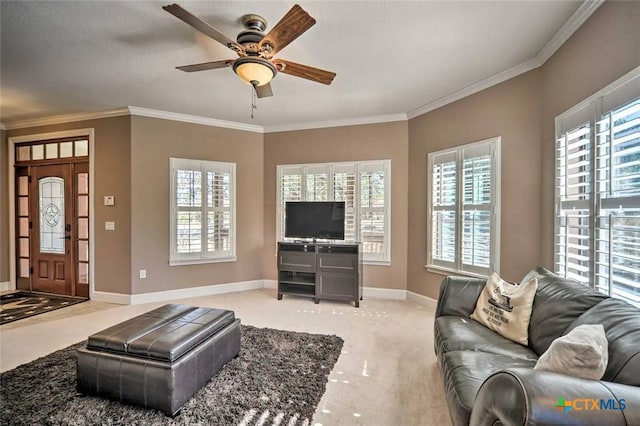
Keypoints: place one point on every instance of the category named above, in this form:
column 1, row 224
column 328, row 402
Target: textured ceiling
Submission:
column 390, row 56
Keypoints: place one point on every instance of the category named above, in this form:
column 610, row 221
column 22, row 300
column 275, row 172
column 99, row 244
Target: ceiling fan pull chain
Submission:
column 253, row 100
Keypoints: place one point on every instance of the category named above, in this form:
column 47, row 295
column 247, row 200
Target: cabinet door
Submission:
column 334, row 262
column 297, row 261
column 336, row 285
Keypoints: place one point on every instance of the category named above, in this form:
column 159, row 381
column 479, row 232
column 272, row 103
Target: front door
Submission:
column 52, row 216
column 52, row 213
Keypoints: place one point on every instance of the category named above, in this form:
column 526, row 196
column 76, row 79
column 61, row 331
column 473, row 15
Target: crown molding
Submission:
column 337, row 123
column 476, row 87
column 66, row 118
column 186, row 118
column 567, row 29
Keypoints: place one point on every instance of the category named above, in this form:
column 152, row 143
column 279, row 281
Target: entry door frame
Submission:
column 17, row 140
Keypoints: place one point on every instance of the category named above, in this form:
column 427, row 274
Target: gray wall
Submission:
column 153, row 142
column 510, row 110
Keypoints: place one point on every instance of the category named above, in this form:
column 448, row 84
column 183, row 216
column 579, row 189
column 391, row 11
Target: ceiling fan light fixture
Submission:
column 254, row 70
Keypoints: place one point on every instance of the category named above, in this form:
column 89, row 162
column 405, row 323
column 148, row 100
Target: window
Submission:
column 463, row 208
column 202, row 211
column 598, row 191
column 364, row 187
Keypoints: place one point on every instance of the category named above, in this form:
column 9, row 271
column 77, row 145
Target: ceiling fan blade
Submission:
column 200, row 25
column 304, row 71
column 206, row 66
column 290, row 27
column 264, row 91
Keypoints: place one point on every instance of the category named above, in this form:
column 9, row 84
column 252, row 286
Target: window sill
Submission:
column 201, row 261
column 376, row 262
column 446, row 271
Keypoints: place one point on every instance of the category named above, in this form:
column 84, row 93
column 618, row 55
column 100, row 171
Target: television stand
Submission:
column 320, row 271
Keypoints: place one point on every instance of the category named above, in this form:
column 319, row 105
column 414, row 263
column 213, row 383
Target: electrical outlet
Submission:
column 110, row 226
column 143, row 273
column 109, row 200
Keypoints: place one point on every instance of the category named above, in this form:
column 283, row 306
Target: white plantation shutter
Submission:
column 317, row 183
column 573, row 171
column 291, row 189
column 618, row 221
column 373, row 217
column 344, row 189
column 476, row 208
column 598, row 191
column 188, row 207
column 443, row 210
column 363, row 186
column 463, row 188
column 202, row 211
column 218, row 211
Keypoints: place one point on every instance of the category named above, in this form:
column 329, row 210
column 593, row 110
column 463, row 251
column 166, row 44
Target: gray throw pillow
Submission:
column 583, row 352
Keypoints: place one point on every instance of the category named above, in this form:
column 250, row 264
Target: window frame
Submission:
column 591, row 111
column 383, row 258
column 203, row 166
column 457, row 154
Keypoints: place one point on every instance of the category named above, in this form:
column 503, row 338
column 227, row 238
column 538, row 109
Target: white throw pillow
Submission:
column 583, row 352
column 506, row 308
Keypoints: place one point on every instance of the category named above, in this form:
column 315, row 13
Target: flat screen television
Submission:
column 315, row 219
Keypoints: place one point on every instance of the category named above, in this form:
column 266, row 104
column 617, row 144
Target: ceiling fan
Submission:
column 255, row 64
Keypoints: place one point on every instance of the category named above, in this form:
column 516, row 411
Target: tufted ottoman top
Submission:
column 164, row 334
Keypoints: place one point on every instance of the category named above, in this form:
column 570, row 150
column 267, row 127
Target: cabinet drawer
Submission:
column 331, row 262
column 337, row 285
column 297, row 261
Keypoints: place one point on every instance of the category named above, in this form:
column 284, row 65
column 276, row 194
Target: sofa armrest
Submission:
column 458, row 296
column 521, row 396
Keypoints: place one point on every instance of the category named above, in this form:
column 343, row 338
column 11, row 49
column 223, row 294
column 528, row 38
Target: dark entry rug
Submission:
column 278, row 379
column 16, row 306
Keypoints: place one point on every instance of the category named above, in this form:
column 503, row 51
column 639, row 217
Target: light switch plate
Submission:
column 143, row 273
column 109, row 200
column 110, row 226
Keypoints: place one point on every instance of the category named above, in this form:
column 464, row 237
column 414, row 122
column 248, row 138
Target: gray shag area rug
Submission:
column 278, row 379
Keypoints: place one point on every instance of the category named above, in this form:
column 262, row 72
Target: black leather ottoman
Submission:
column 159, row 359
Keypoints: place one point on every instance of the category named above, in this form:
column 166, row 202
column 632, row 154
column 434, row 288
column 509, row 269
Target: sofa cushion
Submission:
column 464, row 371
column 557, row 304
column 455, row 334
column 580, row 353
column 506, row 308
column 621, row 323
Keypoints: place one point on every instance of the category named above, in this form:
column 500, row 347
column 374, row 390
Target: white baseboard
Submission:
column 183, row 293
column 209, row 290
column 384, row 293
column 421, row 300
column 5, row 286
column 106, row 297
column 270, row 283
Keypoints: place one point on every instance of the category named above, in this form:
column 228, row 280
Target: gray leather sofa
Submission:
column 490, row 380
